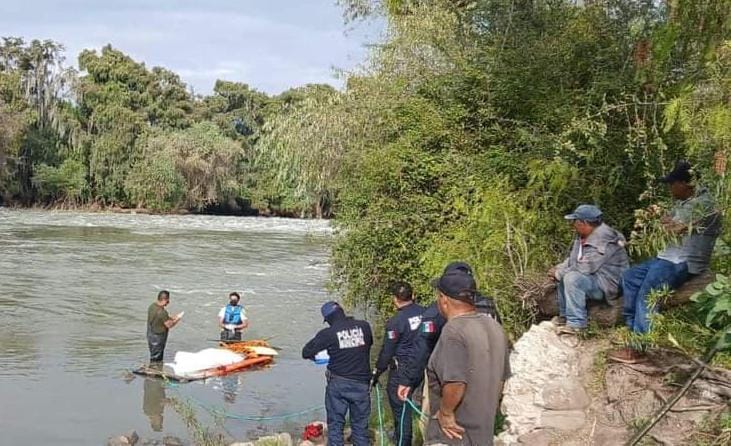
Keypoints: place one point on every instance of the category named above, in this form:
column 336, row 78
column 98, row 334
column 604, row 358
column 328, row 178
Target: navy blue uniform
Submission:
column 432, row 323
column 399, row 348
column 348, row 343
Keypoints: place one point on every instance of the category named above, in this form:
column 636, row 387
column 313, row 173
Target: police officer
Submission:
column 399, row 348
column 432, row 323
column 348, row 343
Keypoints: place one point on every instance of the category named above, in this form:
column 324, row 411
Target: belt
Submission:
column 329, row 376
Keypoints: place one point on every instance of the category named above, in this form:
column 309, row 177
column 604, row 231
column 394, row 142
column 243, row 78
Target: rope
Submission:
column 380, row 414
column 225, row 414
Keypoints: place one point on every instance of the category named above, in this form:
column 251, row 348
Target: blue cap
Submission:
column 586, row 212
column 457, row 284
column 329, row 308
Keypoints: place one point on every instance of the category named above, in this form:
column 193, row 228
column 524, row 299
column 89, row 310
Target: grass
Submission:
column 200, row 434
column 715, row 430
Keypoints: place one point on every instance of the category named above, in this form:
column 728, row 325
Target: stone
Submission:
column 120, row 440
column 606, row 435
column 539, row 437
column 132, row 437
column 567, row 394
column 246, row 443
column 563, row 419
column 169, row 440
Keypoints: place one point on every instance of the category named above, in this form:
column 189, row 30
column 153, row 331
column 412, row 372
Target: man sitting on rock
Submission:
column 592, row 270
column 696, row 219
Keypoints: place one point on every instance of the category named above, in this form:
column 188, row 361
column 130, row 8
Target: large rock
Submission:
column 566, row 394
column 540, row 359
column 129, row 439
column 566, row 420
column 283, row 439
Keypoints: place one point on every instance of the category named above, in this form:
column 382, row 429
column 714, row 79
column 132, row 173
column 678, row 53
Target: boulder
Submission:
column 169, row 440
column 538, row 437
column 566, row 420
column 566, row 394
column 283, row 439
column 129, row 439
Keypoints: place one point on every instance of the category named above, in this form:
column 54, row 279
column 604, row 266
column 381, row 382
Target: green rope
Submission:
column 222, row 413
column 415, row 408
column 380, row 414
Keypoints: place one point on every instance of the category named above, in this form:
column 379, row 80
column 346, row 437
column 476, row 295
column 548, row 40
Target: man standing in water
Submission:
column 348, row 342
column 159, row 323
column 232, row 319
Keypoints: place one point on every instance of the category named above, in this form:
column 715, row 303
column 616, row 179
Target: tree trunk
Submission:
column 610, row 314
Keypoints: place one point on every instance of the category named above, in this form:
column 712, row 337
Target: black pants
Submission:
column 156, row 342
column 398, row 406
column 226, row 335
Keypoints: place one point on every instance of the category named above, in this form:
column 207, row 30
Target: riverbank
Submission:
column 114, row 209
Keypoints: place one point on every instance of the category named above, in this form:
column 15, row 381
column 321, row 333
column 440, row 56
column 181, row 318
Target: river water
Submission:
column 74, row 291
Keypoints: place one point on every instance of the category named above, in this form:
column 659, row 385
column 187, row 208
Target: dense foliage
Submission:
column 479, row 124
column 120, row 134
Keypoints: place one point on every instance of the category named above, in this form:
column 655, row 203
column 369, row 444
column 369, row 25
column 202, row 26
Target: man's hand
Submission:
column 375, row 374
column 403, row 392
column 551, row 274
column 449, row 425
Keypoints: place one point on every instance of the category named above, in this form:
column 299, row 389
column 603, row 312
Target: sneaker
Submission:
column 569, row 330
column 559, row 321
column 627, row 356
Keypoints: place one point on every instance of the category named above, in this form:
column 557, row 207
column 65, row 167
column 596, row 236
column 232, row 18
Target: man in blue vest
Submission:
column 399, row 349
column 348, row 343
column 232, row 319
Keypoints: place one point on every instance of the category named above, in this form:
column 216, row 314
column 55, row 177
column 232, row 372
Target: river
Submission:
column 74, row 290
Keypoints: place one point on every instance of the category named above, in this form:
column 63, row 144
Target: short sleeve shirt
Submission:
column 156, row 318
column 472, row 350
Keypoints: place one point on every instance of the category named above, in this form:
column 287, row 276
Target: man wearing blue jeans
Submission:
column 694, row 218
column 348, row 343
column 592, row 270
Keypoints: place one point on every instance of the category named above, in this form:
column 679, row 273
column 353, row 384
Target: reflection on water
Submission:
column 74, row 292
column 153, row 402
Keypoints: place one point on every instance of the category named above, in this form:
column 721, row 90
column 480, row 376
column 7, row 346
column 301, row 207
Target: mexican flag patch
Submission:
column 428, row 327
column 392, row 334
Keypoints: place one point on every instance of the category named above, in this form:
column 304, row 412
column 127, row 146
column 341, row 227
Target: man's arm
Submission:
column 171, row 322
column 388, row 349
column 320, row 342
column 452, row 394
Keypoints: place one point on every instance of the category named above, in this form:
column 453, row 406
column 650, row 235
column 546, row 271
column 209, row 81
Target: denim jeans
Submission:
column 573, row 291
column 344, row 395
column 639, row 281
column 397, row 406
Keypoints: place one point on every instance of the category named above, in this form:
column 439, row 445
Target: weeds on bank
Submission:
column 200, row 434
column 715, row 430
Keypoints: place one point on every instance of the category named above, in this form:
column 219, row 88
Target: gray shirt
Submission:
column 602, row 255
column 473, row 350
column 703, row 220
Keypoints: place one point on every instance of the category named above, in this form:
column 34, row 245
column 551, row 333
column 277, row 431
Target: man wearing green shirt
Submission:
column 159, row 323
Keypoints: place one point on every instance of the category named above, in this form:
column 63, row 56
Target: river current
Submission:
column 74, row 290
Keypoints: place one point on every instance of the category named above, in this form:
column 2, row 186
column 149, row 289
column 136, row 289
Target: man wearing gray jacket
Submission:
column 593, row 269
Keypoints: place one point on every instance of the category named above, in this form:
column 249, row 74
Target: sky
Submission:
column 271, row 45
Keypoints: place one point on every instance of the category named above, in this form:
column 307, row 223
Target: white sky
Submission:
column 270, row 44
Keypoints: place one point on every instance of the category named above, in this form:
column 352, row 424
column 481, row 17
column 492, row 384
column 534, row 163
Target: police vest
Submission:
column 232, row 315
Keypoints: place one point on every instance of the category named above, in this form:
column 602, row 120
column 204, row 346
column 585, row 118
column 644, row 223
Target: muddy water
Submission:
column 74, row 289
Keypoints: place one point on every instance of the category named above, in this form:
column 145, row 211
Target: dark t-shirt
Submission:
column 156, row 317
column 473, row 350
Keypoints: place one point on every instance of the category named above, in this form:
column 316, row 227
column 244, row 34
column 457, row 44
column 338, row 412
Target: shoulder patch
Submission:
column 392, row 334
column 428, row 327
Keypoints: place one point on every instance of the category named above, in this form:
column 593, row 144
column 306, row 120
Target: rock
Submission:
column 283, row 439
column 247, row 443
column 118, row 441
column 132, row 437
column 606, row 435
column 539, row 359
column 567, row 394
column 169, row 440
column 563, row 419
column 539, row 437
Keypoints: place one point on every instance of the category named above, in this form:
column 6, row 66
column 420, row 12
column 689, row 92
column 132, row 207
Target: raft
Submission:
column 251, row 353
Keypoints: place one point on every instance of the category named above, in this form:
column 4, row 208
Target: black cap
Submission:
column 458, row 266
column 681, row 172
column 457, row 284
